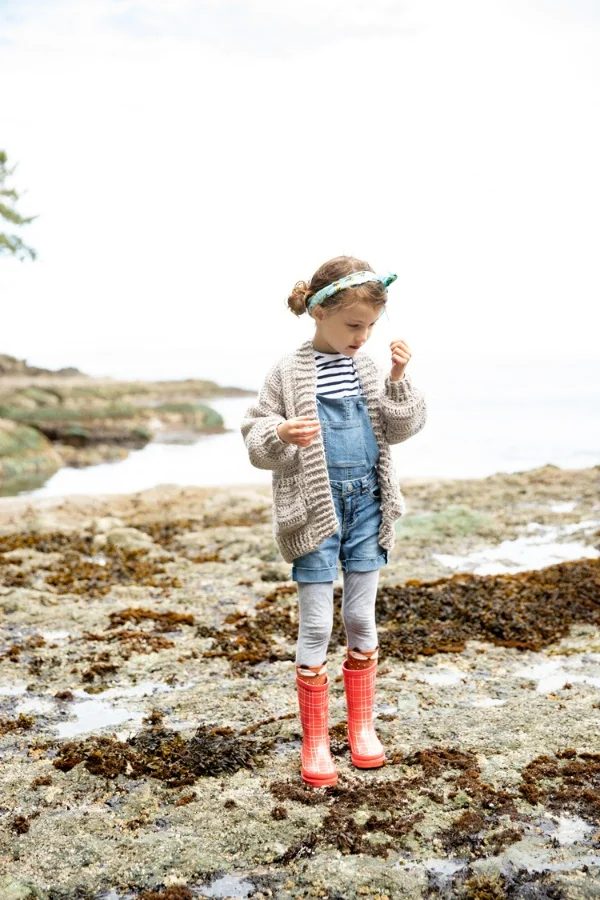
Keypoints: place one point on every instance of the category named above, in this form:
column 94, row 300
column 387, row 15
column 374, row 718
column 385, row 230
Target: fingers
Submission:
column 303, row 429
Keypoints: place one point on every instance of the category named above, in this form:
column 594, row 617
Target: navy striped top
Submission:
column 336, row 375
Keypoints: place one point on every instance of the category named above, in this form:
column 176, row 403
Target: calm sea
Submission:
column 484, row 417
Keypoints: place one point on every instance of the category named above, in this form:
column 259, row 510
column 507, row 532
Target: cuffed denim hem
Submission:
column 365, row 565
column 327, row 573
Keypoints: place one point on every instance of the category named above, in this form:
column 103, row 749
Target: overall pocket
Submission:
column 344, row 444
column 289, row 507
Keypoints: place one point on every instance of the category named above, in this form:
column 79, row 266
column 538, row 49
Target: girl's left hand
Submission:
column 400, row 357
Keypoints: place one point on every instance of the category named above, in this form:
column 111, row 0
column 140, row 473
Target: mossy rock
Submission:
column 62, row 414
column 42, row 397
column 198, row 414
column 210, row 415
column 142, row 433
column 77, row 431
column 454, row 521
column 24, row 451
column 175, row 408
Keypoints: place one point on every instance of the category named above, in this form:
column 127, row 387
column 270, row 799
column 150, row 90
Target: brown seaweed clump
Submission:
column 173, row 892
column 469, row 885
column 131, row 640
column 20, row 824
column 387, row 809
column 526, row 611
column 164, row 754
column 246, row 638
column 78, row 571
column 163, row 621
column 21, row 723
column 568, row 781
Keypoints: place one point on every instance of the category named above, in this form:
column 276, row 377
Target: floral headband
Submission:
column 348, row 281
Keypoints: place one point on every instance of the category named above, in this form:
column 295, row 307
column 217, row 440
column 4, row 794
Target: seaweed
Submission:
column 567, row 782
column 77, row 572
column 165, row 755
column 23, row 722
column 526, row 611
column 388, row 808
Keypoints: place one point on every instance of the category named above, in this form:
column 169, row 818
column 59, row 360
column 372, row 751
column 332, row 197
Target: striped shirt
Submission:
column 336, row 374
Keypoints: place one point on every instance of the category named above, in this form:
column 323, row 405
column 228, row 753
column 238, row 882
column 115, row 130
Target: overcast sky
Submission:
column 190, row 160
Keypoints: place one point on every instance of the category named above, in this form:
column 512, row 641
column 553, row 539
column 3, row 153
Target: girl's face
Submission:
column 344, row 331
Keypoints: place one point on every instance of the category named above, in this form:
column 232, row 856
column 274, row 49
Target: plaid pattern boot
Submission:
column 366, row 749
column 317, row 766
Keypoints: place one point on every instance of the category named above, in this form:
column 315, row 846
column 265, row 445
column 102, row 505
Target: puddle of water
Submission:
column 93, row 714
column 563, row 506
column 538, row 862
column 488, row 701
column 12, row 690
column 442, row 676
column 529, row 552
column 551, row 676
column 55, row 635
column 36, row 704
column 227, row 886
column 572, row 829
column 137, row 690
column 443, row 866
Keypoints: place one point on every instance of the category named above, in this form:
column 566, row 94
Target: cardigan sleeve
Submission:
column 403, row 409
column 265, row 448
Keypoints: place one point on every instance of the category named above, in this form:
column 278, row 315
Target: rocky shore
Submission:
column 66, row 418
column 149, row 735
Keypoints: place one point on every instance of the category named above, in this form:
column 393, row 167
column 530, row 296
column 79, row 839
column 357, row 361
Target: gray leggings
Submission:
column 315, row 604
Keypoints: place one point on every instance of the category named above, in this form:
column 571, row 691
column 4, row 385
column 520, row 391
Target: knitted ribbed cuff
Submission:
column 277, row 449
column 398, row 390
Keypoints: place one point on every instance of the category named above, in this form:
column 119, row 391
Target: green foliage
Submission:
column 11, row 244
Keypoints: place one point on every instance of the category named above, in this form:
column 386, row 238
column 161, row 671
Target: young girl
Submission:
column 324, row 421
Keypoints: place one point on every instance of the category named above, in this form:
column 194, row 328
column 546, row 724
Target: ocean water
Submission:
column 482, row 418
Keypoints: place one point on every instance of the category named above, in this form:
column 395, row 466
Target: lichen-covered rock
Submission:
column 24, row 451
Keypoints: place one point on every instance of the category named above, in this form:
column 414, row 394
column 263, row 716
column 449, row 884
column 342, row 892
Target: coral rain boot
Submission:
column 317, row 766
column 366, row 749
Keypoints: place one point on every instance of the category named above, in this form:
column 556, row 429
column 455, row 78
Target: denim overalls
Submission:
column 351, row 451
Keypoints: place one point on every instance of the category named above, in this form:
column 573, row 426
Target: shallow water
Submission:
column 527, row 552
column 91, row 714
column 552, row 675
column 227, row 886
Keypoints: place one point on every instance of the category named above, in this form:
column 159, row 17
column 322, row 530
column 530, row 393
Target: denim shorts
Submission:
column 356, row 542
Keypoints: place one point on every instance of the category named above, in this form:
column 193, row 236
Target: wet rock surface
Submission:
column 149, row 735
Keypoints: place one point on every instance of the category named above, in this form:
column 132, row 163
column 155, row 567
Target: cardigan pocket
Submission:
column 289, row 507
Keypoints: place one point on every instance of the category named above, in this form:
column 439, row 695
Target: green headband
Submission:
column 348, row 281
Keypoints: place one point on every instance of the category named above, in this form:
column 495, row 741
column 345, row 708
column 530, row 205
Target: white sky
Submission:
column 190, row 160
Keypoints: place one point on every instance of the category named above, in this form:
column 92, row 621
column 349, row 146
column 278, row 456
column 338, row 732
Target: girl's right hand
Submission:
column 300, row 430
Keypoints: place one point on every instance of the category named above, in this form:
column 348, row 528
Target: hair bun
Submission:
column 298, row 297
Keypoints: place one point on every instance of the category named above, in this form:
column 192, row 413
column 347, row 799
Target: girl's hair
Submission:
column 372, row 292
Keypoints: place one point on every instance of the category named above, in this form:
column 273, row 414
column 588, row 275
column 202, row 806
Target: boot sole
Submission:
column 367, row 762
column 319, row 780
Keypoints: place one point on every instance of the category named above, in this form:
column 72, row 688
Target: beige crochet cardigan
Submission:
column 303, row 510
